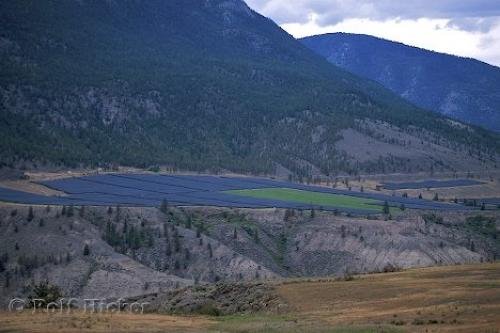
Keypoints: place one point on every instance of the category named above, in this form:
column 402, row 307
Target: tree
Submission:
column 150, row 239
column 43, row 294
column 133, row 239
column 118, row 214
column 168, row 249
column 289, row 213
column 256, row 236
column 164, row 206
column 177, row 242
column 69, row 211
column 189, row 222
column 111, row 236
column 4, row 258
column 86, row 250
column 7, row 280
column 30, row 214
column 385, row 208
column 210, row 252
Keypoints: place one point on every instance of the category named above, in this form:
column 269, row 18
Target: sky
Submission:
column 469, row 28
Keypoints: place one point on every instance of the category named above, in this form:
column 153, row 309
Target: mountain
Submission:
column 202, row 85
column 461, row 88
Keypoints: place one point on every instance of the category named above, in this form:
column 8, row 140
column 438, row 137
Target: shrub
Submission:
column 390, row 268
column 208, row 309
column 43, row 294
column 433, row 218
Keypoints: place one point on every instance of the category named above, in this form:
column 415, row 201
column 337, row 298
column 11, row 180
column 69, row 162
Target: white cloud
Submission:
column 467, row 28
column 333, row 11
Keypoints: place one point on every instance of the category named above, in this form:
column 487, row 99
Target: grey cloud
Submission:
column 470, row 15
column 474, row 23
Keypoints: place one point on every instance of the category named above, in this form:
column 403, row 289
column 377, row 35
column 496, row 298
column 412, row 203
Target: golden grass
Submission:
column 442, row 299
column 439, row 299
column 78, row 321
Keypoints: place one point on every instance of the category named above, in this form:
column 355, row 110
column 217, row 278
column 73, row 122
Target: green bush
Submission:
column 43, row 294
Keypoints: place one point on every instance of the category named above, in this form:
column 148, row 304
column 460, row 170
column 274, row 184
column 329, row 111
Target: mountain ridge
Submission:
column 460, row 87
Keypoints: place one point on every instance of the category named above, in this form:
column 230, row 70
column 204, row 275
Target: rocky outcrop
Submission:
column 216, row 299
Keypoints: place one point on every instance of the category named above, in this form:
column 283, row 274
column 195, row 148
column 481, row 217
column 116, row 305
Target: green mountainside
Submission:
column 191, row 84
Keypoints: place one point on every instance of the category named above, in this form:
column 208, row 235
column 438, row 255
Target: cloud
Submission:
column 481, row 24
column 469, row 28
column 333, row 11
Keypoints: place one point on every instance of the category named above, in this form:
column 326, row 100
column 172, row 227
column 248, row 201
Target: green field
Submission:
column 311, row 198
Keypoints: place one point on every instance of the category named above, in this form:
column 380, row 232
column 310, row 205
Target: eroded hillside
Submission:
column 121, row 252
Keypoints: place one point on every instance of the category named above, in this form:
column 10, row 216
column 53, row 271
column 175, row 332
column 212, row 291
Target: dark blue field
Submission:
column 185, row 190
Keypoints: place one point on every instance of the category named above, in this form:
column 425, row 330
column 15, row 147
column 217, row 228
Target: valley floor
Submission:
column 440, row 299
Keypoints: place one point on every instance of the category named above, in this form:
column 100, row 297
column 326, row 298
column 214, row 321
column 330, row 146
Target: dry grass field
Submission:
column 77, row 321
column 440, row 299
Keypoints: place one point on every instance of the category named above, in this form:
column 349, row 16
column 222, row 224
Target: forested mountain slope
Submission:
column 198, row 85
